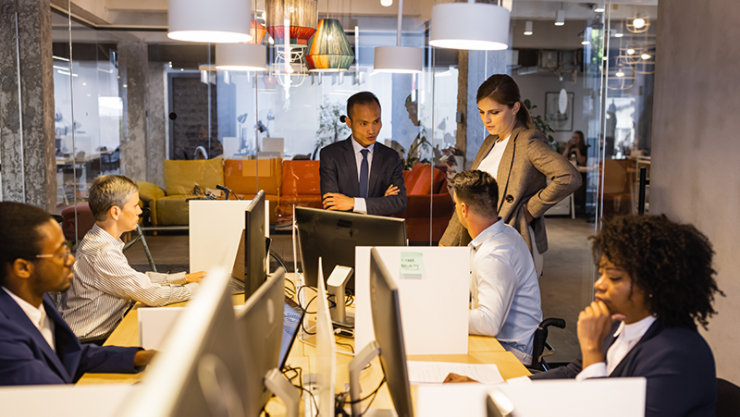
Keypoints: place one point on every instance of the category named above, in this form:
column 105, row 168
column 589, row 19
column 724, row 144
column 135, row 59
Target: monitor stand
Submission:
column 276, row 382
column 335, row 285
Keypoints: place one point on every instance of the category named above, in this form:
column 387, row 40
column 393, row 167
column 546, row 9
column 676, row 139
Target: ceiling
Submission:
column 146, row 20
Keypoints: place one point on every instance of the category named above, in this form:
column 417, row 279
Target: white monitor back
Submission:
column 215, row 229
column 434, row 290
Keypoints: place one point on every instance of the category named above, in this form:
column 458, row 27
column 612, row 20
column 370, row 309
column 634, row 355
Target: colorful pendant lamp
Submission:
column 299, row 16
column 329, row 48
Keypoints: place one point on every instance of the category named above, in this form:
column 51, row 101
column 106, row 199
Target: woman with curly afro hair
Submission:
column 656, row 283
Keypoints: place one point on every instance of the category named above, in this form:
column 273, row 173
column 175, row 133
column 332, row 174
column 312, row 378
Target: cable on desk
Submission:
column 299, row 374
column 342, row 401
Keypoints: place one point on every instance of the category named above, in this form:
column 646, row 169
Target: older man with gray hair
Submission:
column 105, row 285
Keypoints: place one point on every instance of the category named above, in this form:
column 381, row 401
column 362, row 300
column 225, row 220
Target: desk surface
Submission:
column 484, row 350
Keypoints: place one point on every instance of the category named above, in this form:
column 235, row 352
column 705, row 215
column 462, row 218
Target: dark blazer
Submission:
column 338, row 171
column 27, row 359
column 678, row 365
column 526, row 165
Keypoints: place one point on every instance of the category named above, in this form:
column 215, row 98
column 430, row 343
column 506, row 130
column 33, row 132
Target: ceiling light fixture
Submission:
column 471, row 25
column 638, row 23
column 618, row 34
column 217, row 21
column 528, row 28
column 241, row 57
column 599, row 9
column 403, row 59
column 560, row 17
column 630, row 51
column 386, row 3
column 645, row 56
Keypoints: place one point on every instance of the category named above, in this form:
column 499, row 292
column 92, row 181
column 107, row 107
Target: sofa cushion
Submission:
column 241, row 175
column 420, row 182
column 173, row 210
column 181, row 176
column 301, row 178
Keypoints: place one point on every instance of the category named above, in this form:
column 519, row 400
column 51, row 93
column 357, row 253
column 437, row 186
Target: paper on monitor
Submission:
column 435, row 372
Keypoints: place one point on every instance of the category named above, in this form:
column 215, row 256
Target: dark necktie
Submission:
column 364, row 172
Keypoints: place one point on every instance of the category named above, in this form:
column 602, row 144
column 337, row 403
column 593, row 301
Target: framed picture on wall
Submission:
column 559, row 122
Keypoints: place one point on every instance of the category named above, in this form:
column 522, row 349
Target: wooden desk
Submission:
column 483, row 350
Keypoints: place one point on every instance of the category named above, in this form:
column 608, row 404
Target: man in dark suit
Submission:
column 359, row 174
column 36, row 345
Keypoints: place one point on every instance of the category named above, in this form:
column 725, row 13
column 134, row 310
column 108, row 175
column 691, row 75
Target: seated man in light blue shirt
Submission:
column 505, row 294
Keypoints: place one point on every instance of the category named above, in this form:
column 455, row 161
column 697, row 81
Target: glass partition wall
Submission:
column 129, row 100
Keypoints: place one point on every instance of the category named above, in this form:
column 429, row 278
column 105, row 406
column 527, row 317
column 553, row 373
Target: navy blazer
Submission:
column 678, row 365
column 338, row 172
column 27, row 359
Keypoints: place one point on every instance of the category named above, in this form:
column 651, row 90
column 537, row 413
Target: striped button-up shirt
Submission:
column 105, row 285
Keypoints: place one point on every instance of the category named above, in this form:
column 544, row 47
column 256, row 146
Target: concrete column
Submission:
column 27, row 103
column 133, row 68
column 156, row 136
column 694, row 175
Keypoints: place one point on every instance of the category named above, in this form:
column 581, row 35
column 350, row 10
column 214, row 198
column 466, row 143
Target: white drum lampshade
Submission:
column 214, row 21
column 476, row 26
column 241, row 57
column 403, row 59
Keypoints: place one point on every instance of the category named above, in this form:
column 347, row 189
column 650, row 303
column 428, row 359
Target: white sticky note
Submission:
column 412, row 265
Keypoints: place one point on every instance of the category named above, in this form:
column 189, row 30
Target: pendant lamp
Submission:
column 214, row 21
column 471, row 25
column 330, row 49
column 402, row 59
column 241, row 57
column 299, row 16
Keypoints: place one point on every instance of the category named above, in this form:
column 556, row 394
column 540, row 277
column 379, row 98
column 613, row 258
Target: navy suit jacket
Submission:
column 338, row 171
column 678, row 365
column 27, row 359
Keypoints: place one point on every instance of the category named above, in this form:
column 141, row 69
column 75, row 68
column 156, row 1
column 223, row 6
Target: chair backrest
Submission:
column 728, row 398
column 84, row 221
column 540, row 340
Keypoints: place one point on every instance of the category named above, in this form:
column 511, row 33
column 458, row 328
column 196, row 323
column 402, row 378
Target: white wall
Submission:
column 696, row 173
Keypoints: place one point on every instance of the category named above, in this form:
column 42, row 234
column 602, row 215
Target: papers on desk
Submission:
column 435, row 372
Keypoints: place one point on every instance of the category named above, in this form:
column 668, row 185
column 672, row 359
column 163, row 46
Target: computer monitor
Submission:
column 250, row 262
column 333, row 236
column 260, row 325
column 388, row 344
column 200, row 370
column 292, row 318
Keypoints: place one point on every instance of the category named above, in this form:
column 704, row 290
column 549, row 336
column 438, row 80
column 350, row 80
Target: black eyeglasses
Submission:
column 64, row 255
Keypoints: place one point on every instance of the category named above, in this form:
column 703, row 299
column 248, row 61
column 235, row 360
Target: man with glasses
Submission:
column 105, row 285
column 36, row 345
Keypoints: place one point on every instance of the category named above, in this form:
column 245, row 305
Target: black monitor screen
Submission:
column 386, row 312
column 255, row 248
column 333, row 235
column 292, row 316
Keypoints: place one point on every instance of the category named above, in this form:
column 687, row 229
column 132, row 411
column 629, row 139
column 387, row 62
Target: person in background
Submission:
column 656, row 283
column 576, row 149
column 505, row 293
column 518, row 157
column 359, row 174
column 36, row 345
column 105, row 285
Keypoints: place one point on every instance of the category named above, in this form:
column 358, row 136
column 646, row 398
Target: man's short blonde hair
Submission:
column 108, row 191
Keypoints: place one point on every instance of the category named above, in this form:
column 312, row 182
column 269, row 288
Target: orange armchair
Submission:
column 424, row 188
column 300, row 186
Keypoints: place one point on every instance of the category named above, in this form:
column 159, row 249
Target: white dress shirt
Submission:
column 38, row 317
column 105, row 285
column 504, row 288
column 627, row 336
column 491, row 162
column 360, row 205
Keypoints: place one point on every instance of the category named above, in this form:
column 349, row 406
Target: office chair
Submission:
column 540, row 343
column 728, row 398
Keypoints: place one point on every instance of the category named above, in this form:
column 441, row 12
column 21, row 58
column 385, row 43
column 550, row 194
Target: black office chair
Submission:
column 540, row 343
column 728, row 398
